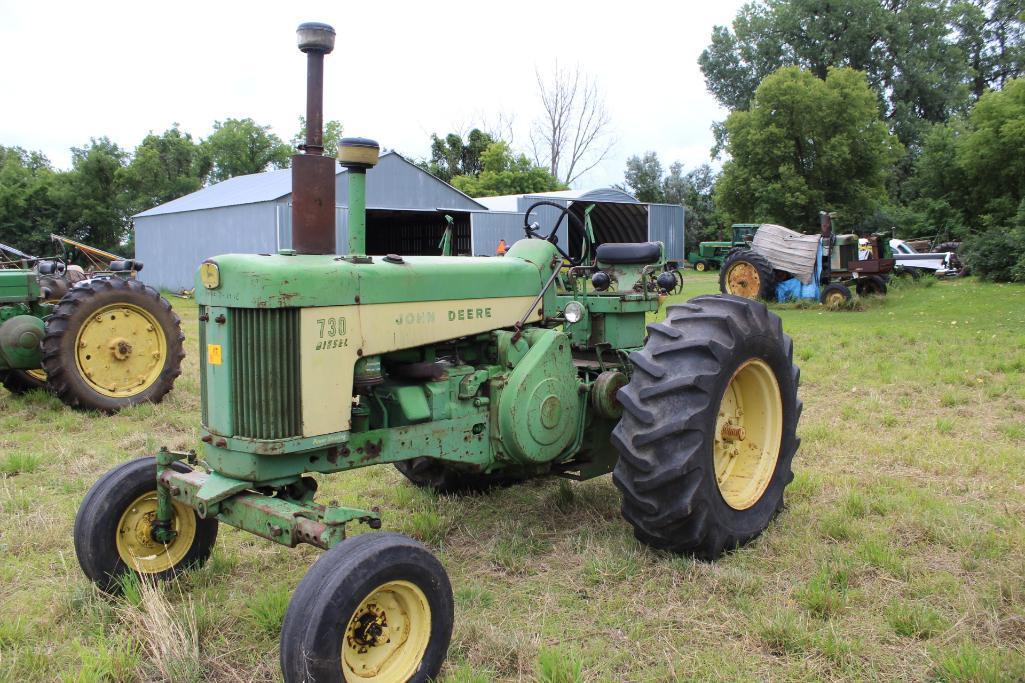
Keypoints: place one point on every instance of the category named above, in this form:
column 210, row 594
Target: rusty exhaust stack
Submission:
column 313, row 174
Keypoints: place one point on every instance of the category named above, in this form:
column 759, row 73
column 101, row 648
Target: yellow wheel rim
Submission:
column 386, row 637
column 748, row 432
column 742, row 279
column 37, row 374
column 699, row 267
column 120, row 350
column 135, row 542
column 835, row 299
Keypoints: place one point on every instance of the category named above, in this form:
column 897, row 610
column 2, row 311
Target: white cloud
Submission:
column 400, row 70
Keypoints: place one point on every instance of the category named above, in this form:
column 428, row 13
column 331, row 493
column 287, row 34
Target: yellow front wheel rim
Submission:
column 135, row 542
column 120, row 350
column 742, row 279
column 37, row 374
column 835, row 299
column 699, row 267
column 748, row 433
column 386, row 638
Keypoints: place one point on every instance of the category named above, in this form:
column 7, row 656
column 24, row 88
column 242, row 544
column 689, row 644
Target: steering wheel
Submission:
column 531, row 228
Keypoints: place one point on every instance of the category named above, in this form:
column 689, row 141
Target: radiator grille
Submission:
column 265, row 373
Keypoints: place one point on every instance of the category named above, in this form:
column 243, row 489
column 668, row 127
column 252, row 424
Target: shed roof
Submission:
column 255, row 188
column 509, row 202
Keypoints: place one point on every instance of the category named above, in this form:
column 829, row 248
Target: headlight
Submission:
column 574, row 312
column 210, row 275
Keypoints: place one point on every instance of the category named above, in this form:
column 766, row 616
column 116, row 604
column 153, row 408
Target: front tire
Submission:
column 709, row 424
column 375, row 608
column 113, row 529
column 112, row 343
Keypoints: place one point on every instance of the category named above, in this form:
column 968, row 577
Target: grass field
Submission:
column 900, row 555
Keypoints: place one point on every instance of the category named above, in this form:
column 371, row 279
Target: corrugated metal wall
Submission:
column 397, row 184
column 488, row 227
column 171, row 246
column 283, row 225
column 666, row 225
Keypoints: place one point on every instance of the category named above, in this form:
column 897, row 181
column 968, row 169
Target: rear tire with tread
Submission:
column 764, row 288
column 666, row 436
column 75, row 310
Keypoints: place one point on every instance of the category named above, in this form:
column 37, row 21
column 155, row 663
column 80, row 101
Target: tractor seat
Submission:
column 629, row 252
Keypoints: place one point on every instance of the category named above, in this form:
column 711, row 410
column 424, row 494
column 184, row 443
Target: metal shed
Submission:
column 617, row 217
column 252, row 214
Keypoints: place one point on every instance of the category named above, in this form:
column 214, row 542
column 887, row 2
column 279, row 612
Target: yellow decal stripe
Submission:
column 332, row 338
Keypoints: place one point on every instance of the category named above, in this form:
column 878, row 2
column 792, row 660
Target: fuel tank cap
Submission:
column 393, row 258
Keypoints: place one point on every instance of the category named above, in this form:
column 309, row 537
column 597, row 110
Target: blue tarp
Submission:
column 792, row 289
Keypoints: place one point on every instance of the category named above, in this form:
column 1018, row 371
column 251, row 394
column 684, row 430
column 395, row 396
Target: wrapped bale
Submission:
column 787, row 250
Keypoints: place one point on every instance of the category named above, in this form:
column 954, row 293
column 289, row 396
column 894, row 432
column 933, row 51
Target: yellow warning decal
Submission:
column 213, row 354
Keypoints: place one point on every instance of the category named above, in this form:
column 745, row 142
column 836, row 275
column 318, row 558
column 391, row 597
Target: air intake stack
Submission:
column 313, row 174
column 357, row 155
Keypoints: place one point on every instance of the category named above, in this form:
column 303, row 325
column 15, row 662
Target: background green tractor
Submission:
column 101, row 341
column 464, row 373
column 711, row 255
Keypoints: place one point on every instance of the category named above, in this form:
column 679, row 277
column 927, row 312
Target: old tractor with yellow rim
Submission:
column 102, row 341
column 783, row 265
column 464, row 373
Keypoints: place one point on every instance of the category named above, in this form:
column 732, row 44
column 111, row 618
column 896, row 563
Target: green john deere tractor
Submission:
column 711, row 255
column 102, row 342
column 464, row 373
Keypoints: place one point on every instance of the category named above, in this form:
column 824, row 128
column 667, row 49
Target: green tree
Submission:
column 805, row 145
column 451, row 156
column 992, row 156
column 28, row 213
column 164, row 167
column 332, row 135
column 91, row 200
column 503, row 172
column 695, row 190
column 913, row 51
column 643, row 177
column 242, row 146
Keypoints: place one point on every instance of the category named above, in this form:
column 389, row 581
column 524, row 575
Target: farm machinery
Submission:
column 99, row 340
column 712, row 254
column 784, row 265
column 462, row 372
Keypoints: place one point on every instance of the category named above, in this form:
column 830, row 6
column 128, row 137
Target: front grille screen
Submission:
column 265, row 373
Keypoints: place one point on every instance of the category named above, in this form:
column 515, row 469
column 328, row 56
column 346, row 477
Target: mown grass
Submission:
column 901, row 554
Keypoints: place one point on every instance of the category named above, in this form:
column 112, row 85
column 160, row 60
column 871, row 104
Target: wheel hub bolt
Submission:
column 733, row 433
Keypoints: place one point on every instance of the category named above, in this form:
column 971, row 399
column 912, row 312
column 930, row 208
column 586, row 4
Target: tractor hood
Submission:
column 288, row 281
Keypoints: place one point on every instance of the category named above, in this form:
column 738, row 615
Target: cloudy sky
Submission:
column 400, row 70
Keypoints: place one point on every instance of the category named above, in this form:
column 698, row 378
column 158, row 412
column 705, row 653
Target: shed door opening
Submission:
column 414, row 233
column 612, row 222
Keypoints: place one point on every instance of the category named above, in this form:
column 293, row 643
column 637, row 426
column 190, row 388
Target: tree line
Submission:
column 905, row 114
column 94, row 200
